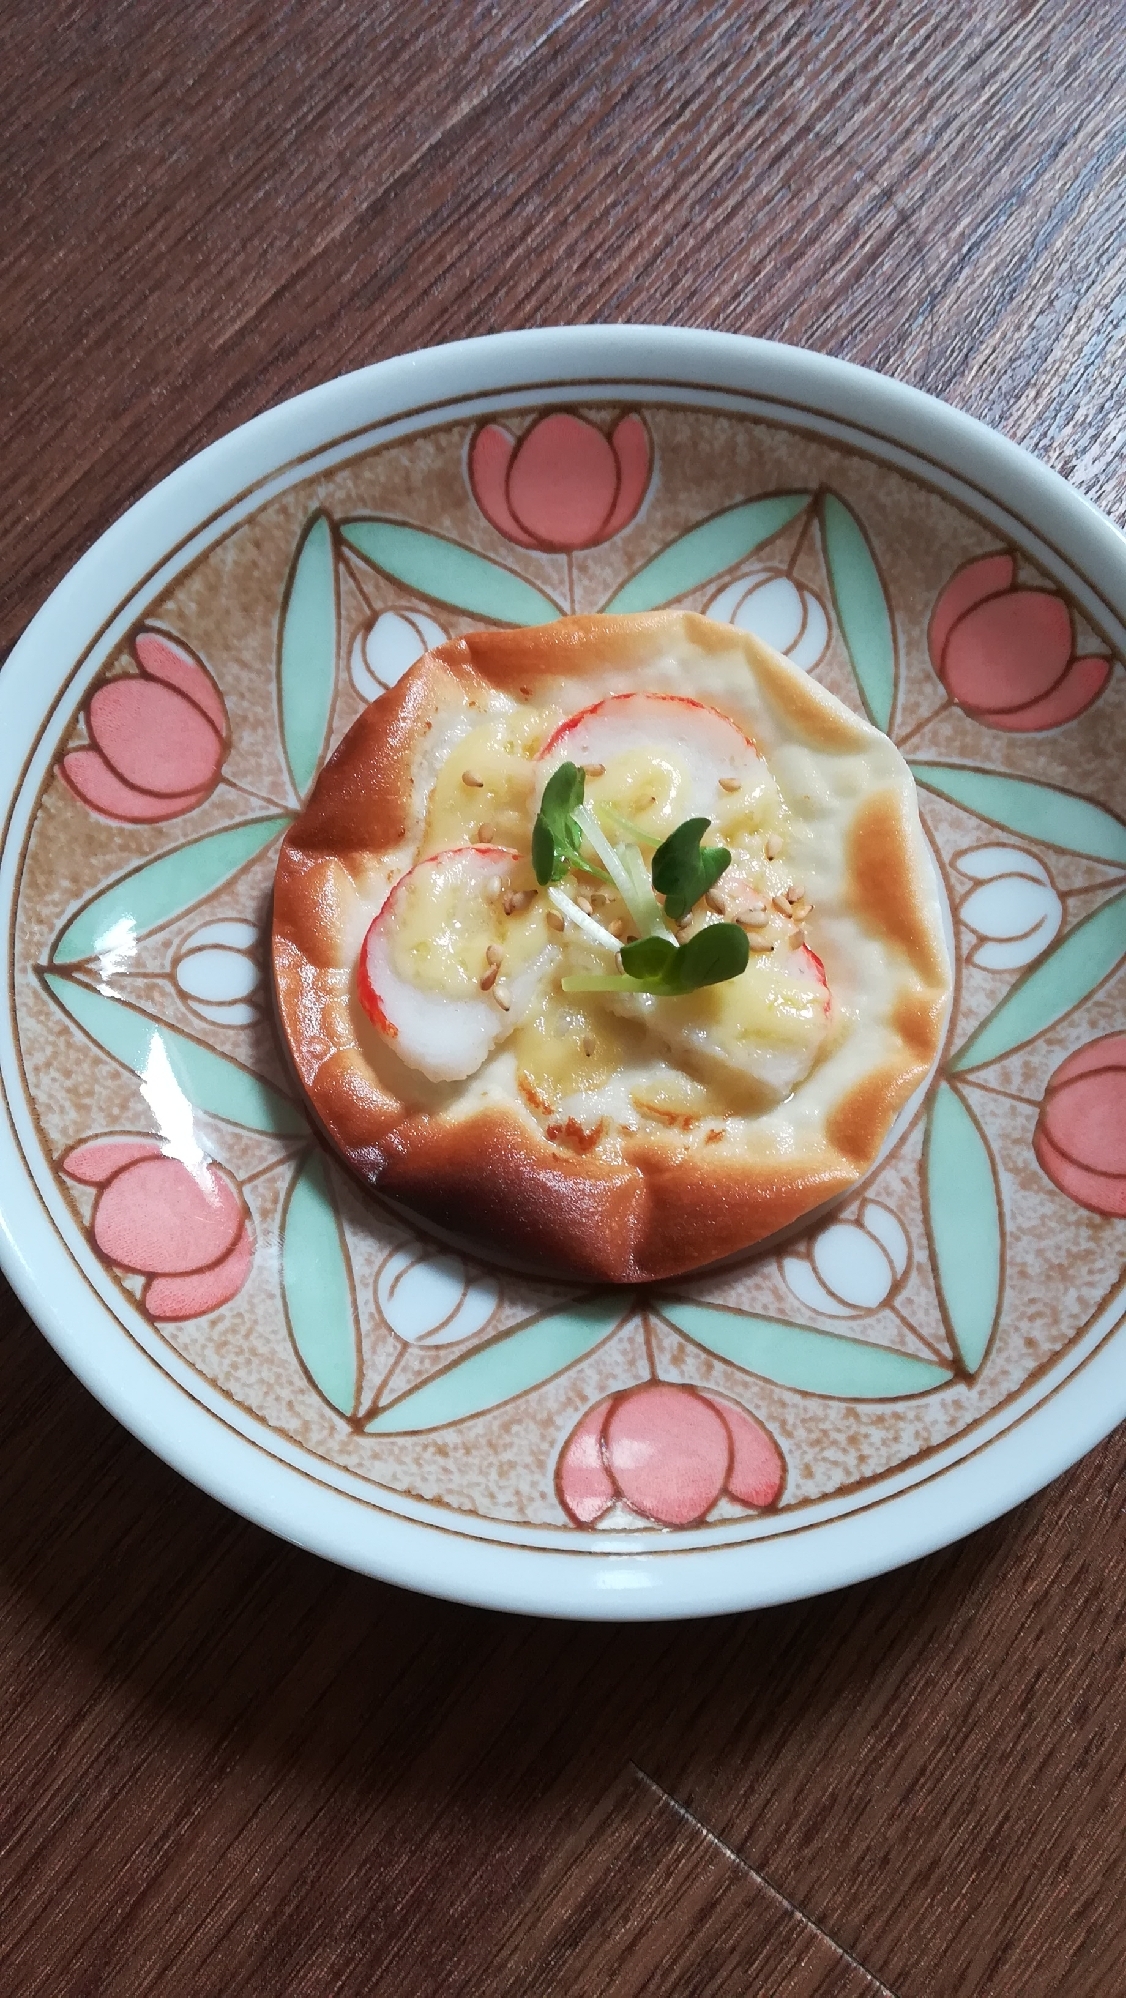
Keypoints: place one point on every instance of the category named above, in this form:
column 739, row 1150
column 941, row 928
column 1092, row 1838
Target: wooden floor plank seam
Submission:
column 760, row 1879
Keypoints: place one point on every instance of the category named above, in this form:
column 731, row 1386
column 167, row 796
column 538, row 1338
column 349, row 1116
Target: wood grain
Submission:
column 229, row 1768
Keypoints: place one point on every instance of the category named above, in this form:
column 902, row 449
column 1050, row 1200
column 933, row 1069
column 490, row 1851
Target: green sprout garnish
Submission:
column 668, row 970
column 563, row 823
column 556, row 836
column 683, row 870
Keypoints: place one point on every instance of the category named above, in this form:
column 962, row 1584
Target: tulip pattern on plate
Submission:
column 196, row 1196
column 566, row 484
column 431, row 1297
column 667, row 1453
column 390, row 644
column 787, row 615
column 179, row 1223
column 218, row 972
column 1080, row 1138
column 155, row 742
column 1014, row 912
column 848, row 1268
column 1006, row 653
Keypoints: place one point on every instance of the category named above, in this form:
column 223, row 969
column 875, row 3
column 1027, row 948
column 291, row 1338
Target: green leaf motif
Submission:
column 1066, row 976
column 160, row 1055
column 307, row 643
column 164, row 888
column 447, row 573
column 963, row 1212
column 796, row 1356
column 861, row 606
column 1034, row 811
column 706, row 551
column 316, row 1276
column 505, row 1367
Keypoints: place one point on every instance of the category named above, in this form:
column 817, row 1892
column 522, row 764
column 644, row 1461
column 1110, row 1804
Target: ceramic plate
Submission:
column 942, row 1344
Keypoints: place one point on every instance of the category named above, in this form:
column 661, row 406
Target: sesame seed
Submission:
column 616, row 927
column 471, row 779
column 584, row 903
column 797, row 937
column 492, row 888
column 730, row 784
column 502, row 996
column 802, row 910
column 555, row 920
column 758, row 942
column 716, row 902
column 773, row 847
column 782, row 904
column 522, row 899
column 489, row 979
column 486, row 833
column 795, row 892
column 494, row 954
column 753, row 919
column 589, row 1044
column 594, row 769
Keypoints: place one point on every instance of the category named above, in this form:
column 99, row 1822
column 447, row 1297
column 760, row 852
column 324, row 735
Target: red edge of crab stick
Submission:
column 613, row 702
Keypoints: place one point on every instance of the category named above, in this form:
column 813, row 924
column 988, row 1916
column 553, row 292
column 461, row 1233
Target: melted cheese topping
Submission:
column 445, row 921
column 499, row 753
column 585, row 1065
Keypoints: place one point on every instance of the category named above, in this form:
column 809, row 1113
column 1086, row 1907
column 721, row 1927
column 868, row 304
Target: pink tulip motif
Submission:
column 1006, row 653
column 157, row 738
column 668, row 1452
column 1080, row 1136
column 565, row 485
column 185, row 1229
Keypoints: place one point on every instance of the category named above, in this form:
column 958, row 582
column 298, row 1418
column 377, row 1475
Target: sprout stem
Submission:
column 633, row 832
column 641, row 903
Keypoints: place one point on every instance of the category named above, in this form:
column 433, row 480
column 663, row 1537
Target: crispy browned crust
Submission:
column 886, row 891
column 361, row 803
column 490, row 1175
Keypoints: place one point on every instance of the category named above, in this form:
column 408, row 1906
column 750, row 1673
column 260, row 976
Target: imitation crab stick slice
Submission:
column 455, row 958
column 761, row 1032
column 663, row 750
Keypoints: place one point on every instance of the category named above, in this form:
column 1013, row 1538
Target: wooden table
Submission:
column 227, row 1767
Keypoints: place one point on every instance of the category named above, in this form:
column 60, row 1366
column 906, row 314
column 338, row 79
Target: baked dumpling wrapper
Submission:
column 621, row 1136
